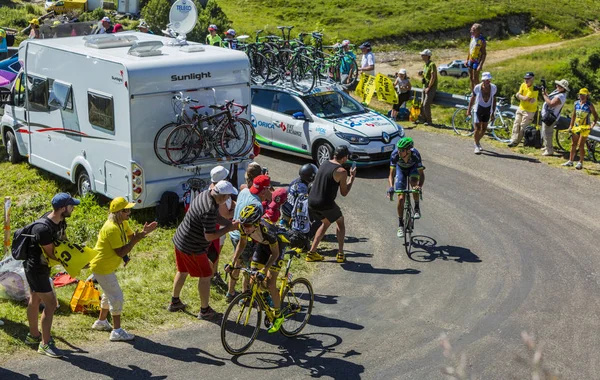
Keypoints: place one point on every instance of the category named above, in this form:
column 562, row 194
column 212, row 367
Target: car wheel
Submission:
column 84, row 184
column 323, row 152
column 464, row 75
column 443, row 73
column 12, row 151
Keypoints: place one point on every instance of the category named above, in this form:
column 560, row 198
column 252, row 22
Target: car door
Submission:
column 289, row 131
column 262, row 114
column 453, row 69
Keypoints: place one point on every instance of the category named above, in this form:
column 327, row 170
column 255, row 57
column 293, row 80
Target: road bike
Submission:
column 500, row 127
column 409, row 217
column 241, row 321
column 564, row 141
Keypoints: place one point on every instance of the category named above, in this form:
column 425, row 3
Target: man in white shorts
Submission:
column 483, row 104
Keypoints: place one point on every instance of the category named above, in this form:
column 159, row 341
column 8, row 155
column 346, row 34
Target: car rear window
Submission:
column 263, row 98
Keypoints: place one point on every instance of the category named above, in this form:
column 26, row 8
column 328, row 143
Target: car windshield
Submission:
column 333, row 104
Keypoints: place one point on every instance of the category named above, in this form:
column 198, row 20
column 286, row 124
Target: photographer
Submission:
column 403, row 87
column 553, row 104
column 527, row 96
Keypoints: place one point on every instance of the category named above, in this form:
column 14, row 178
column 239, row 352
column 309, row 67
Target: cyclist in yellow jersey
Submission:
column 580, row 126
column 477, row 53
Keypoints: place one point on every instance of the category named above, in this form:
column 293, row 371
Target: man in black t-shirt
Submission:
column 49, row 228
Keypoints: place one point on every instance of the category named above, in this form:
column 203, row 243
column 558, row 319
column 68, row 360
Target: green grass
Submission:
column 385, row 20
column 534, row 37
column 146, row 281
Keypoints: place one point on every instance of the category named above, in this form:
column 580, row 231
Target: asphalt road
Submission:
column 508, row 244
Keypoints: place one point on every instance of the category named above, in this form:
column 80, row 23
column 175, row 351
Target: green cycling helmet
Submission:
column 405, row 143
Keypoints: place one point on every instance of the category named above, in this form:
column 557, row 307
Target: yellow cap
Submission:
column 34, row 21
column 119, row 204
column 584, row 91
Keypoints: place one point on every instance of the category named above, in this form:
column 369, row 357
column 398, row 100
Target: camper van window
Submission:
column 37, row 93
column 101, row 111
column 19, row 91
column 61, row 96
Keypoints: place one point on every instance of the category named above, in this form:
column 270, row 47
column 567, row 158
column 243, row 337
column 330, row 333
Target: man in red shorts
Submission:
column 192, row 239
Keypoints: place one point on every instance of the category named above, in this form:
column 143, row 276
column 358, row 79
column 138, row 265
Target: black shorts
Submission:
column 261, row 256
column 39, row 282
column 401, row 99
column 331, row 214
column 483, row 114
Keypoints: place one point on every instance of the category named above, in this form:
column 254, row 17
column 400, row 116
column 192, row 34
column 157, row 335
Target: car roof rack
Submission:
column 301, row 88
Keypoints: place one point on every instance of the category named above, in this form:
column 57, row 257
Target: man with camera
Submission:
column 527, row 96
column 553, row 104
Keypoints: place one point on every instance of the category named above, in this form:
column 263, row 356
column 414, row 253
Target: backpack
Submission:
column 300, row 218
column 23, row 241
column 167, row 209
column 532, row 137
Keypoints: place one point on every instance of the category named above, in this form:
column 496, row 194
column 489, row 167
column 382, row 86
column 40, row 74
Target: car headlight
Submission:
column 352, row 138
column 400, row 130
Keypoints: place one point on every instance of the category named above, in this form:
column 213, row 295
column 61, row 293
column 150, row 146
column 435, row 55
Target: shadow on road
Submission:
column 6, row 374
column 326, row 299
column 425, row 249
column 309, row 352
column 331, row 238
column 323, row 321
column 368, row 268
column 510, row 156
column 92, row 365
column 189, row 355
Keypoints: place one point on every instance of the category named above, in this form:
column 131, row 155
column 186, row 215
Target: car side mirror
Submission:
column 5, row 97
column 299, row 116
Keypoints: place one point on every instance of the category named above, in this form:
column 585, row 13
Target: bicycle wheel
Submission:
column 160, row 142
column 462, row 124
column 180, row 143
column 593, row 150
column 240, row 325
column 563, row 139
column 296, row 306
column 251, row 139
column 302, row 74
column 408, row 226
column 234, row 138
column 259, row 69
column 502, row 128
column 353, row 75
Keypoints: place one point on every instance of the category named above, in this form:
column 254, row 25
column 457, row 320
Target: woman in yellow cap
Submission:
column 35, row 28
column 580, row 126
column 115, row 240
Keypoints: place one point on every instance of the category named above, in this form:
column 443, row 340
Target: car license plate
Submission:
column 387, row 148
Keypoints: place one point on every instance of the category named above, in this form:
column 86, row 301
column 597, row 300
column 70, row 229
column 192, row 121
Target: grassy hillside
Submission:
column 389, row 19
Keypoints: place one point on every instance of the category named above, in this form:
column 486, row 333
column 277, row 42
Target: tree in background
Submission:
column 156, row 14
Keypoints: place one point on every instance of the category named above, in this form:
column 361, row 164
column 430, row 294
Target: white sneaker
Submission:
column 579, row 166
column 400, row 232
column 102, row 325
column 568, row 163
column 120, row 335
column 477, row 150
column 546, row 153
column 480, row 148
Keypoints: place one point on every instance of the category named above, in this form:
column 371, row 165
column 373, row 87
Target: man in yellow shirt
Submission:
column 528, row 97
column 115, row 241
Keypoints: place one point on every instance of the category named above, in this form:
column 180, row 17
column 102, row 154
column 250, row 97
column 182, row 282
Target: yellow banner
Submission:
column 73, row 257
column 385, row 89
column 369, row 89
column 360, row 86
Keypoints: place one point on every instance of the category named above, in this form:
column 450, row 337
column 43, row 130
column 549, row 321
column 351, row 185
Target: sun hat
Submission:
column 260, row 183
column 426, row 52
column 119, row 204
column 63, row 200
column 225, row 188
column 584, row 91
column 528, row 75
column 218, row 173
column 563, row 83
column 486, row 76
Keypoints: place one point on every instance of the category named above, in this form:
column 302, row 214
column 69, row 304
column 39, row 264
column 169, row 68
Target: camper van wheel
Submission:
column 12, row 150
column 84, row 185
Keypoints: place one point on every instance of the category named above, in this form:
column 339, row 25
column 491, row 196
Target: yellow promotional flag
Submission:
column 385, row 89
column 360, row 86
column 369, row 89
column 73, row 257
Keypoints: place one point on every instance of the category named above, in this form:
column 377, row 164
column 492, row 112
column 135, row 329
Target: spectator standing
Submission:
column 321, row 200
column 259, row 192
column 106, row 26
column 477, row 53
column 252, row 171
column 213, row 38
column 229, row 40
column 553, row 104
column 484, row 100
column 367, row 62
column 115, row 240
column 403, row 87
column 3, row 45
column 192, row 240
column 35, row 29
column 430, row 83
column 346, row 66
column 51, row 227
column 527, row 96
column 581, row 127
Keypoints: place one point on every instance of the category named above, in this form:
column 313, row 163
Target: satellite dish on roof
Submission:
column 182, row 19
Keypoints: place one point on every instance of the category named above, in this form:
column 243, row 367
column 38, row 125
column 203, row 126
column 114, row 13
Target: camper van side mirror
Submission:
column 299, row 116
column 5, row 97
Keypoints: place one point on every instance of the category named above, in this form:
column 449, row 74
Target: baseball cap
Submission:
column 279, row 197
column 345, row 42
column 563, row 83
column 260, row 183
column 218, row 173
column 106, row 18
column 143, row 24
column 365, row 44
column 486, row 76
column 119, row 204
column 230, row 32
column 584, row 91
column 529, row 75
column 61, row 200
column 225, row 188
column 426, row 52
column 402, row 71
column 34, row 21
column 212, row 27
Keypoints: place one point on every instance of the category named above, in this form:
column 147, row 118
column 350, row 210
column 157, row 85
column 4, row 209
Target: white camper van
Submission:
column 88, row 109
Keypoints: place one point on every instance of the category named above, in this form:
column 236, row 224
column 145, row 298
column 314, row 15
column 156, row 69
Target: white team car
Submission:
column 313, row 124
